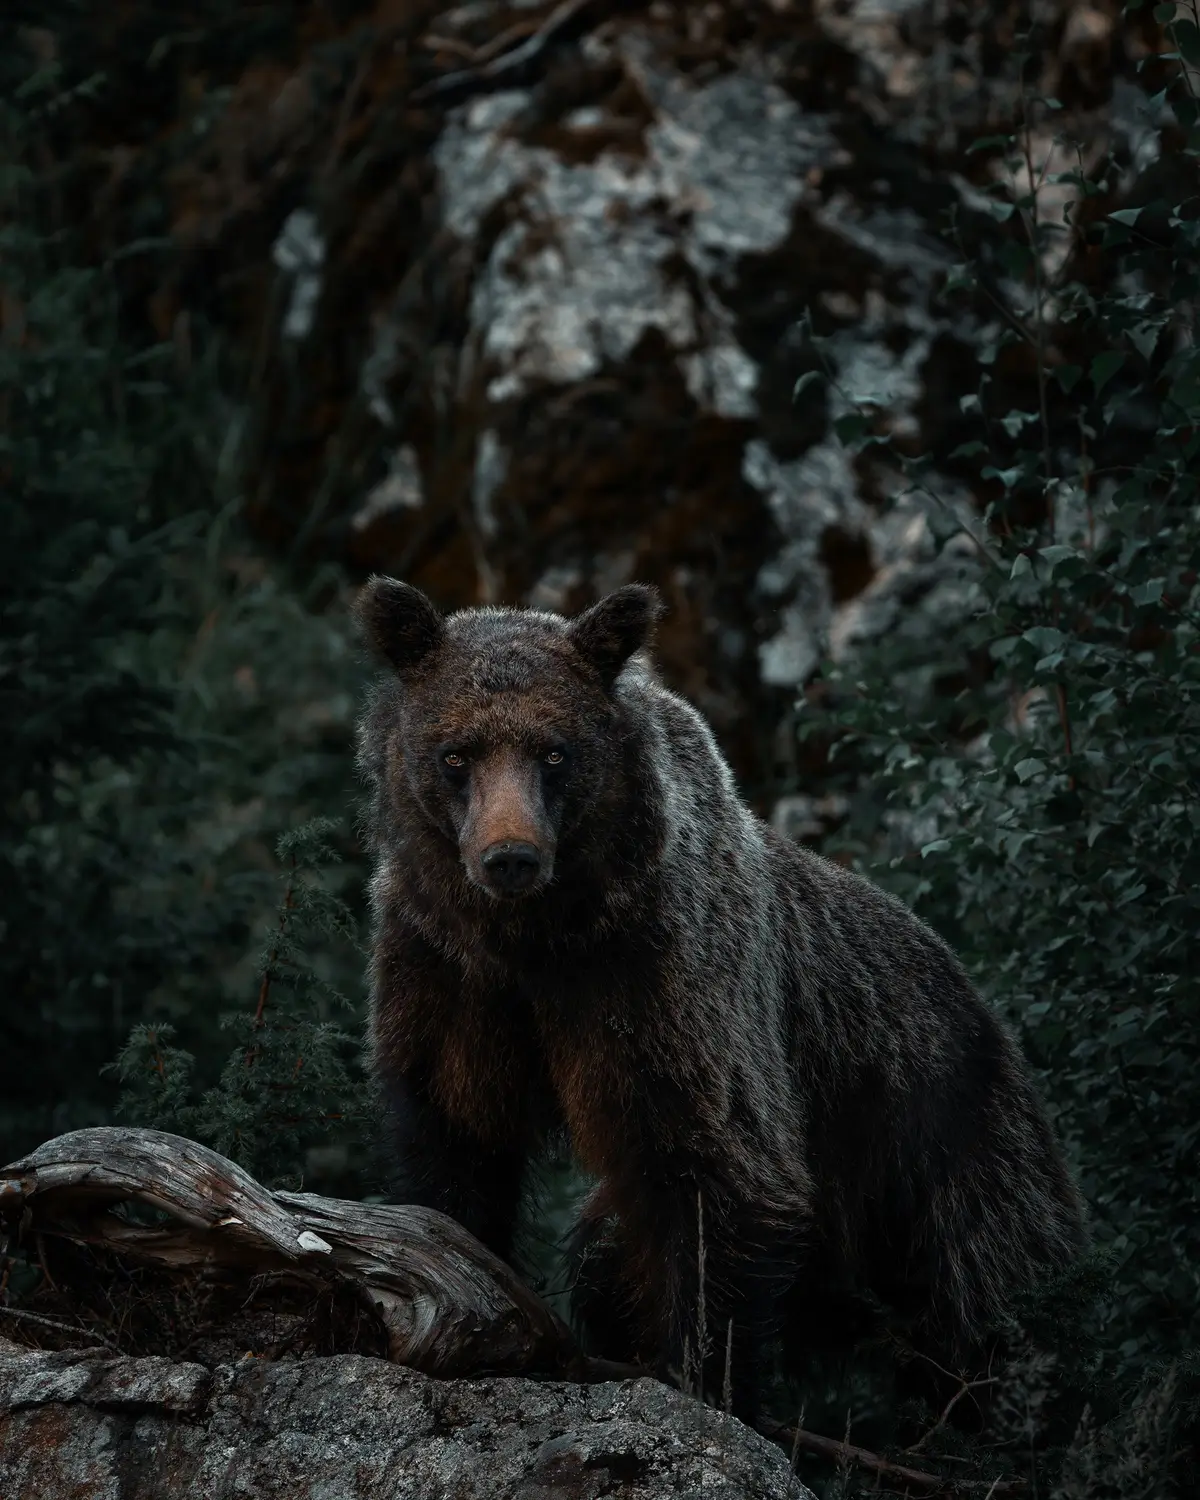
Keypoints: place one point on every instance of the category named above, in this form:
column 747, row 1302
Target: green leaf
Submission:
column 810, row 377
column 1149, row 592
column 1068, row 376
column 1003, row 648
column 1029, row 768
column 1187, row 38
column 1017, row 421
column 1007, row 477
column 1126, row 215
column 1021, row 566
column 1044, row 638
column 1056, row 554
column 990, row 143
column 1104, row 367
column 1145, row 337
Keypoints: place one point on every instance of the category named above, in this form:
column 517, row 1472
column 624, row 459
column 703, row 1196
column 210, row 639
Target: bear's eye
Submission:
column 553, row 758
column 453, row 760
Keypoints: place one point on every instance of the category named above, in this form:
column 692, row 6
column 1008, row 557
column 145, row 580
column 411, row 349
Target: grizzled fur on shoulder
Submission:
column 578, row 923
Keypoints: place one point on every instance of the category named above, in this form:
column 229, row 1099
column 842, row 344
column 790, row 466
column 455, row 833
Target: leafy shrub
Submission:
column 92, row 741
column 1044, row 815
column 291, row 1072
column 171, row 704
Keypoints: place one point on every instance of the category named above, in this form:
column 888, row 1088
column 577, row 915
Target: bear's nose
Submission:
column 511, row 867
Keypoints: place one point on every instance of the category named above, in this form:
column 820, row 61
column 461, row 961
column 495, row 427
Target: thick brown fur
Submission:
column 743, row 1040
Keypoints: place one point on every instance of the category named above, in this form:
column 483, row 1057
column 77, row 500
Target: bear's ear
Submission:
column 608, row 634
column 399, row 622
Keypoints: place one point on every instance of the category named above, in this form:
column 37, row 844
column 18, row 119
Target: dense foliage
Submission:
column 291, row 1070
column 176, row 713
column 170, row 706
column 1045, row 815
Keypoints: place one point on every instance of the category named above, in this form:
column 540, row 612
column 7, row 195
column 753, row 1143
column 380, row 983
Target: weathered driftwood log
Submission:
column 448, row 1305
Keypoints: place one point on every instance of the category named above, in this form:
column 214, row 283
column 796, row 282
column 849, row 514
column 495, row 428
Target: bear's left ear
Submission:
column 399, row 622
column 608, row 634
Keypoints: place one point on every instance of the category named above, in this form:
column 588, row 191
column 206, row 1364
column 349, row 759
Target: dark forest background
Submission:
column 245, row 359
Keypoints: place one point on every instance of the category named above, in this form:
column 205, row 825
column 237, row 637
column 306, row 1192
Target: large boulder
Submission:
column 86, row 1423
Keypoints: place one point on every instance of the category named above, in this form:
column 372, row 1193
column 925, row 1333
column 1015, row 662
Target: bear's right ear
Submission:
column 399, row 622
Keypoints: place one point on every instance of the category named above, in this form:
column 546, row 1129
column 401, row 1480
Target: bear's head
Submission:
column 509, row 733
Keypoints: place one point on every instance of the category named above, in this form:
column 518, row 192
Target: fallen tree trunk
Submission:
column 448, row 1306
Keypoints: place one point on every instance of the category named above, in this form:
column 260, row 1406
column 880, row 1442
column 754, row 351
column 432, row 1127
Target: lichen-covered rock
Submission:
column 90, row 1424
column 595, row 319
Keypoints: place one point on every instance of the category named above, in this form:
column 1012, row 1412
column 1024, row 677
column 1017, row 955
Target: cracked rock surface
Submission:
column 85, row 1423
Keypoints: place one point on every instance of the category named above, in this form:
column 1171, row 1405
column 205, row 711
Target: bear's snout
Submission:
column 507, row 840
column 510, row 868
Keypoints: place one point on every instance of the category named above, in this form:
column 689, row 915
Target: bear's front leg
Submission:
column 440, row 1165
column 693, row 1278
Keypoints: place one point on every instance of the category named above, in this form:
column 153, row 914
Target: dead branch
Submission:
column 510, row 68
column 20, row 1315
column 850, row 1453
column 448, row 1305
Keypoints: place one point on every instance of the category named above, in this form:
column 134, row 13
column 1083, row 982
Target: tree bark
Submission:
column 447, row 1304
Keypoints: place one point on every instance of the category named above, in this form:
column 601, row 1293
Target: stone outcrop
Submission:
column 88, row 1424
column 537, row 332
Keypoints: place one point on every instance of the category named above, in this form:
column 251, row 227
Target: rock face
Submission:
column 88, row 1424
column 595, row 318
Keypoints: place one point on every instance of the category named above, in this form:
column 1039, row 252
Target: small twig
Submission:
column 980, row 545
column 843, row 1453
column 476, row 56
column 701, row 1304
column 1029, row 218
column 509, row 37
column 847, row 1449
column 508, row 68
column 964, row 1389
column 1064, row 719
column 41, row 1255
column 728, row 1391
column 797, row 1432
column 345, row 113
column 40, row 1318
column 439, row 43
column 264, row 989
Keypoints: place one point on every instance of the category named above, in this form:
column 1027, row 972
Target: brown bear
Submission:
column 773, row 1070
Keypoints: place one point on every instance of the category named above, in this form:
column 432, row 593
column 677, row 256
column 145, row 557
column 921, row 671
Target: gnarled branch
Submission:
column 448, row 1305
